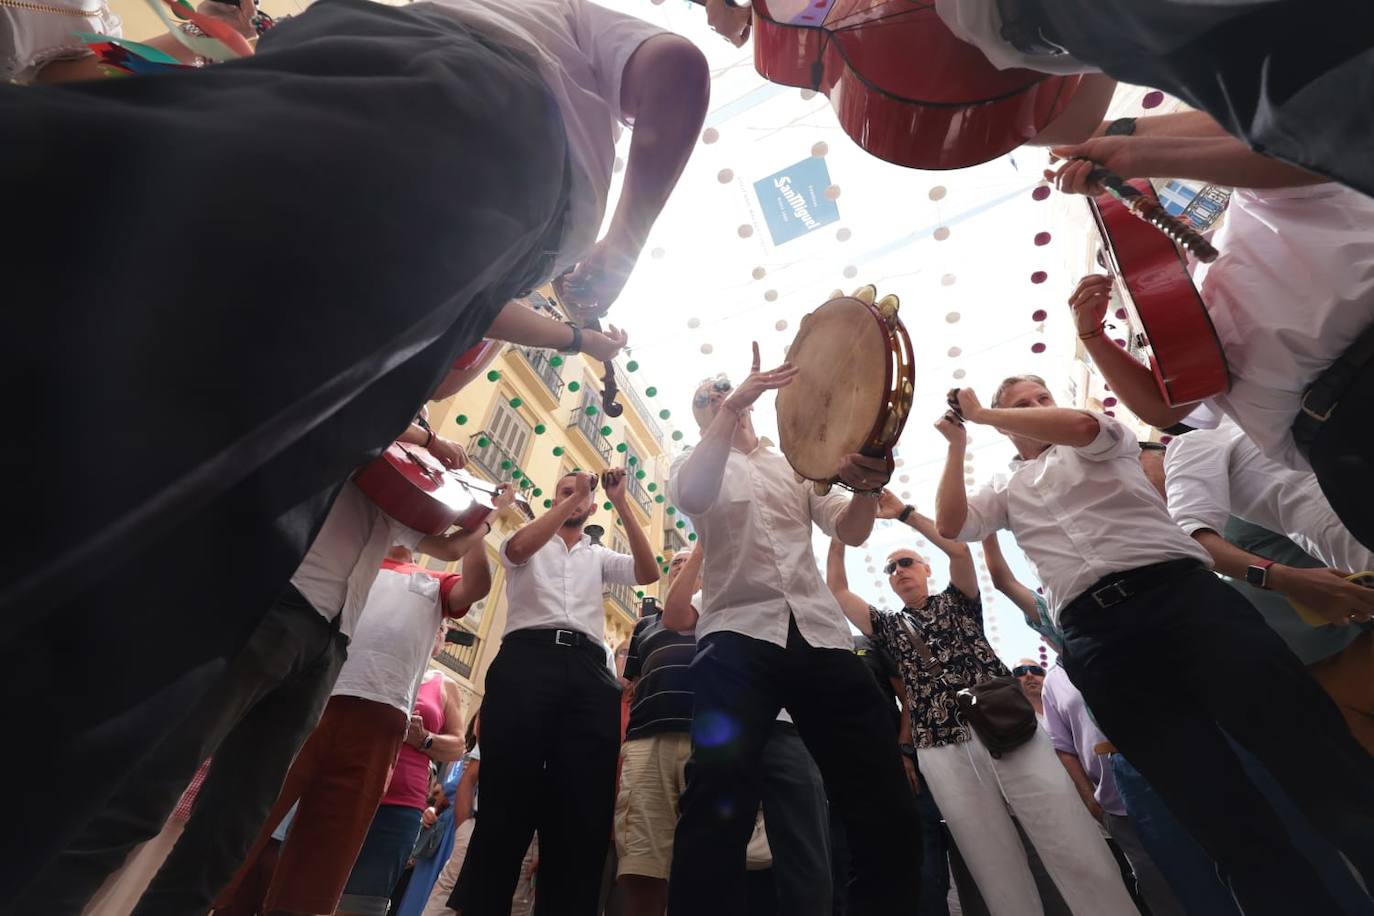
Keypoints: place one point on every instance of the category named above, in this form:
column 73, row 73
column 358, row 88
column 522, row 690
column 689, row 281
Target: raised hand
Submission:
column 864, row 473
column 757, row 382
column 583, row 485
column 952, row 428
column 732, row 22
column 592, row 286
column 970, row 408
column 889, row 506
column 505, row 496
column 1112, row 153
column 1325, row 592
column 449, row 453
column 614, row 481
column 603, row 345
column 1089, row 302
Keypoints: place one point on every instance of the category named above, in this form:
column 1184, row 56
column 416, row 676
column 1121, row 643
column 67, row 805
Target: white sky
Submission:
column 693, row 304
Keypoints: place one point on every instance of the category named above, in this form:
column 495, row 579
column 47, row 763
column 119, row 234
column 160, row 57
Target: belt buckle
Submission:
column 558, row 638
column 1120, row 596
column 1319, row 417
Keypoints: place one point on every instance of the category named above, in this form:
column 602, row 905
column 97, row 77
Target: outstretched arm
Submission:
column 678, row 613
column 951, row 499
column 1055, row 425
column 962, row 575
column 854, row 607
column 1006, row 583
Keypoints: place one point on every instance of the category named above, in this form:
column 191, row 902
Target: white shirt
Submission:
column 562, row 588
column 338, row 572
column 759, row 569
column 391, row 646
column 979, row 23
column 581, row 50
column 1081, row 513
column 1215, row 473
column 1292, row 289
column 29, row 39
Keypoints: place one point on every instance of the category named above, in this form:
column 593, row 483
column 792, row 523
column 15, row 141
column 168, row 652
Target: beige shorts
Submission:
column 651, row 783
column 646, row 810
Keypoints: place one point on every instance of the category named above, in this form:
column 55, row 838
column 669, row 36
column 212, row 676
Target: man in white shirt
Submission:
column 252, row 721
column 432, row 163
column 1291, row 297
column 551, row 711
column 771, row 636
column 1131, row 592
column 1292, row 82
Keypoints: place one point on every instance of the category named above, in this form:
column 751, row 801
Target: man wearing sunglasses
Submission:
column 770, row 636
column 1032, row 677
column 938, row 643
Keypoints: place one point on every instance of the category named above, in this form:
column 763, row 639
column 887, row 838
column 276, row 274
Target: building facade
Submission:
column 533, row 417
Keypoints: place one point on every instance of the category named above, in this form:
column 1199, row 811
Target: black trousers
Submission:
column 796, row 815
column 1342, row 456
column 306, row 240
column 740, row 684
column 1220, row 667
column 252, row 722
column 550, row 742
column 1295, row 78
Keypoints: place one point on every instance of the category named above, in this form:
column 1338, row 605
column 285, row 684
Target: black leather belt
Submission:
column 569, row 639
column 1118, row 587
column 1324, row 395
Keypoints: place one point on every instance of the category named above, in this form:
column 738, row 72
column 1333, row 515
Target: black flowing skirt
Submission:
column 220, row 292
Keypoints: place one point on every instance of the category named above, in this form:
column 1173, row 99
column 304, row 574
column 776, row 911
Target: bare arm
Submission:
column 1006, row 583
column 646, row 567
column 454, row 545
column 1324, row 591
column 476, row 581
column 951, row 499
column 855, row 523
column 854, row 607
column 962, row 574
column 530, row 539
column 464, row 797
column 1055, row 425
column 449, row 744
column 678, row 613
column 1074, row 767
column 1221, row 160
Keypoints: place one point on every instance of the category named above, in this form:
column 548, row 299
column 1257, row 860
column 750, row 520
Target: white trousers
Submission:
column 522, row 904
column 973, row 790
column 121, row 891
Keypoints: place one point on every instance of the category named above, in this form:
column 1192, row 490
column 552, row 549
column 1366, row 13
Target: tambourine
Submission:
column 854, row 390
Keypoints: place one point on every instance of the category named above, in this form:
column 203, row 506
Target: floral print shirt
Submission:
column 951, row 625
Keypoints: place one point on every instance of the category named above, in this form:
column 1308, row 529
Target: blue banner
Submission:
column 794, row 202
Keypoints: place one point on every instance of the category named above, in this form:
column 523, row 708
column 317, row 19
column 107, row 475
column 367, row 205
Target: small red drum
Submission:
column 854, row 390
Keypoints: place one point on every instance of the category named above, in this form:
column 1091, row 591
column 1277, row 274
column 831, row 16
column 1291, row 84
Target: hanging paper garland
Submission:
column 681, row 523
column 493, row 375
column 515, row 403
column 672, row 510
column 462, row 419
column 483, row 442
column 540, row 429
column 606, row 430
column 664, row 414
column 692, row 536
column 659, row 497
column 640, row 475
column 592, row 410
column 506, row 465
column 574, row 386
column 537, row 491
column 557, row 449
column 555, row 360
column 632, row 461
column 622, row 447
column 606, row 505
column 651, row 391
column 677, row 435
column 631, row 366
column 548, row 503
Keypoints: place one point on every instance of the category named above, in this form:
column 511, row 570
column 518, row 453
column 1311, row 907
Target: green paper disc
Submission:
column 651, row 391
column 540, row 429
column 621, row 448
column 483, row 442
column 516, row 402
column 493, row 375
column 574, row 386
column 462, row 419
column 664, row 414
column 677, row 435
column 631, row 366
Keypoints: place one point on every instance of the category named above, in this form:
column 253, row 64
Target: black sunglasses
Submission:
column 1023, row 670
column 904, row 562
column 704, row 397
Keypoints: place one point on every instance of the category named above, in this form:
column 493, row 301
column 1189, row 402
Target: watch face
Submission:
column 1257, row 575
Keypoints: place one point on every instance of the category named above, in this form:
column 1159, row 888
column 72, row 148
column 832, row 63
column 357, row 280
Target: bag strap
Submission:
column 922, row 649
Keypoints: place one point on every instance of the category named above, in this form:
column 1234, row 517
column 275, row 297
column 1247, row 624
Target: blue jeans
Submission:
column 385, row 852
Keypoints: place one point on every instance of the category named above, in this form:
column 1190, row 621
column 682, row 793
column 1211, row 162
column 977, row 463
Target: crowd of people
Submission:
column 269, row 734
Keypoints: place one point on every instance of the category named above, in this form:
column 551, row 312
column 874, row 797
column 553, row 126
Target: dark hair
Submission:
column 1152, row 446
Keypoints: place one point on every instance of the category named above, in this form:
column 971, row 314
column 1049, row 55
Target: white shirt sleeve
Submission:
column 405, row 536
column 505, row 557
column 826, row 510
column 1113, row 440
column 609, row 39
column 987, row 511
column 616, row 568
column 1197, row 479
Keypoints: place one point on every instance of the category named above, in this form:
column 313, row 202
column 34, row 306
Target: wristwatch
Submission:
column 428, row 742
column 1121, row 127
column 1258, row 573
column 575, row 345
column 908, row 750
column 906, row 513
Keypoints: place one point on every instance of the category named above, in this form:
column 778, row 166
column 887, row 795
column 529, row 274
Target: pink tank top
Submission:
column 410, row 777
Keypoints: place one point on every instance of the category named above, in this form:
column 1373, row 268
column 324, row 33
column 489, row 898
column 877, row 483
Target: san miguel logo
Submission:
column 793, row 200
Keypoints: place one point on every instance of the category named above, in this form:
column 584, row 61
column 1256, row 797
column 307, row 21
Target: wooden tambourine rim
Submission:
column 898, row 344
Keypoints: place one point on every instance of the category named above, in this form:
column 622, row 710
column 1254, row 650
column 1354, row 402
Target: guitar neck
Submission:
column 1152, row 213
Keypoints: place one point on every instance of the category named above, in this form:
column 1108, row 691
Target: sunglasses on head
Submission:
column 1023, row 670
column 703, row 397
column 904, row 562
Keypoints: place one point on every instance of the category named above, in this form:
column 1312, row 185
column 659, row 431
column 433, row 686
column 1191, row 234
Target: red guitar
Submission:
column 1176, row 331
column 904, row 87
column 412, row 487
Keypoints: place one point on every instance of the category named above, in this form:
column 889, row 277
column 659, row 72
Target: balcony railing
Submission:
column 590, row 429
column 645, row 413
column 674, row 539
column 548, row 373
column 641, row 495
column 462, row 659
column 491, row 456
column 624, row 597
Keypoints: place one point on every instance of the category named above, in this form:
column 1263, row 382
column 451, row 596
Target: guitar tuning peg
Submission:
column 888, row 306
column 866, row 294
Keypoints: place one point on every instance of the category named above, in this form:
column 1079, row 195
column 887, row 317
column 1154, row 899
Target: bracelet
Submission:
column 429, row 437
column 489, row 528
column 1101, row 328
column 575, row 345
column 906, row 514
